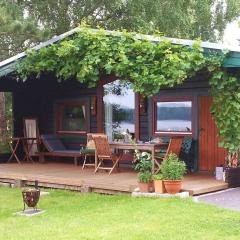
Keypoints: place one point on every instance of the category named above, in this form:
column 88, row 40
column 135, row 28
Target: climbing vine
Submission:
column 89, row 54
column 149, row 65
column 226, row 109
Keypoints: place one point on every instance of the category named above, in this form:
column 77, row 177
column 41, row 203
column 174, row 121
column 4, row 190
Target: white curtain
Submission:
column 108, row 120
column 84, row 111
column 31, row 132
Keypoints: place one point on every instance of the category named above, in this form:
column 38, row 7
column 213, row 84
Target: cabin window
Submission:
column 119, row 106
column 71, row 117
column 173, row 116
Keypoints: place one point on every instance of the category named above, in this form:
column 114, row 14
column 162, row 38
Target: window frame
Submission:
column 100, row 105
column 60, row 105
column 171, row 99
column 134, row 99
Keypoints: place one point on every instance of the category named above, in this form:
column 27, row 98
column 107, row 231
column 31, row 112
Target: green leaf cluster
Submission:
column 149, row 65
column 226, row 108
column 172, row 168
column 158, row 176
column 145, row 177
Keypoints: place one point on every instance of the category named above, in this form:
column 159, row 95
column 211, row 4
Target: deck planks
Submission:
column 68, row 176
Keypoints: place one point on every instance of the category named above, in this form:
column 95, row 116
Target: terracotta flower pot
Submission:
column 145, row 187
column 159, row 186
column 173, row 186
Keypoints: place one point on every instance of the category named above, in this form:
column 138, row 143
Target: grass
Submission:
column 75, row 216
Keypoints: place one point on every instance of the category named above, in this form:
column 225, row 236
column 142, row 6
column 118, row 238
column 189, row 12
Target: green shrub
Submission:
column 172, row 168
column 145, row 177
column 158, row 176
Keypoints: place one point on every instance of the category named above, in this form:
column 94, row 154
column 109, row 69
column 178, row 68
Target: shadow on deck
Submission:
column 68, row 176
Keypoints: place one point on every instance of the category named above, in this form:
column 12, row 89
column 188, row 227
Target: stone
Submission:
column 31, row 212
column 19, row 183
column 136, row 189
column 85, row 189
column 2, row 184
column 160, row 195
column 44, row 193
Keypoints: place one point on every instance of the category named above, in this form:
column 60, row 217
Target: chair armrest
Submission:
column 82, row 146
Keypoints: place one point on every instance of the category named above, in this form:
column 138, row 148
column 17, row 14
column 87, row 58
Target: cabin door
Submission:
column 210, row 155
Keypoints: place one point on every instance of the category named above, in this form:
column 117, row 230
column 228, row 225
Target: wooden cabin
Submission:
column 71, row 109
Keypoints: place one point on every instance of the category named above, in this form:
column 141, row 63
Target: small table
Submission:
column 16, row 142
column 149, row 147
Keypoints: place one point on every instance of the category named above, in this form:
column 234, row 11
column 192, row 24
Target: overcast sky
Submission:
column 232, row 33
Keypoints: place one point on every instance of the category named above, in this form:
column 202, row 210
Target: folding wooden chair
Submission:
column 89, row 151
column 104, row 153
column 174, row 146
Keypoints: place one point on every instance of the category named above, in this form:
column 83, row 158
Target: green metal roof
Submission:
column 232, row 61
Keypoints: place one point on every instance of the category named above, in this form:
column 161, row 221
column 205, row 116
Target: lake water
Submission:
column 162, row 125
column 174, row 125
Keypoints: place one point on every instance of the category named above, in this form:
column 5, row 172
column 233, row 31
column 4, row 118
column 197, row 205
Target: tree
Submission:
column 17, row 32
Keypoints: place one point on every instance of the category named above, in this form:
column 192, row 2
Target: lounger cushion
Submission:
column 52, row 143
column 68, row 151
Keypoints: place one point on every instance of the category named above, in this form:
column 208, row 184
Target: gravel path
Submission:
column 229, row 199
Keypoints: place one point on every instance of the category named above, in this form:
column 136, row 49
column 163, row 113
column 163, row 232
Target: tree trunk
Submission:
column 3, row 120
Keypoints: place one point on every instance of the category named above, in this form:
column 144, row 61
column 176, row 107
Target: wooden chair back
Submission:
column 175, row 145
column 90, row 142
column 103, row 149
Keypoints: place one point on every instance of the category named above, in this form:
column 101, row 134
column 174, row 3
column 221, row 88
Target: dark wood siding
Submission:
column 37, row 97
column 143, row 126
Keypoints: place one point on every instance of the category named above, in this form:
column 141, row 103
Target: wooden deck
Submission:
column 68, row 176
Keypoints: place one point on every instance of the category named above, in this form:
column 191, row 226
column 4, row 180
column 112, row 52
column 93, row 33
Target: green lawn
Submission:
column 73, row 216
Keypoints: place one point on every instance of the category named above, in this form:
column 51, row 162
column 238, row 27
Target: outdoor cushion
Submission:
column 67, row 151
column 52, row 142
column 87, row 150
column 90, row 144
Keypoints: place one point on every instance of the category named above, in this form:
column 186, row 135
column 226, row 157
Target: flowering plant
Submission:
column 143, row 162
column 232, row 160
column 143, row 165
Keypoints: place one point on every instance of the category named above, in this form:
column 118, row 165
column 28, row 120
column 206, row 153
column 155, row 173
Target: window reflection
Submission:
column 174, row 116
column 73, row 118
column 119, row 104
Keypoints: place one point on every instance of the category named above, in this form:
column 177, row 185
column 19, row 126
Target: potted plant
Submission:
column 173, row 170
column 144, row 167
column 145, row 181
column 232, row 169
column 158, row 183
